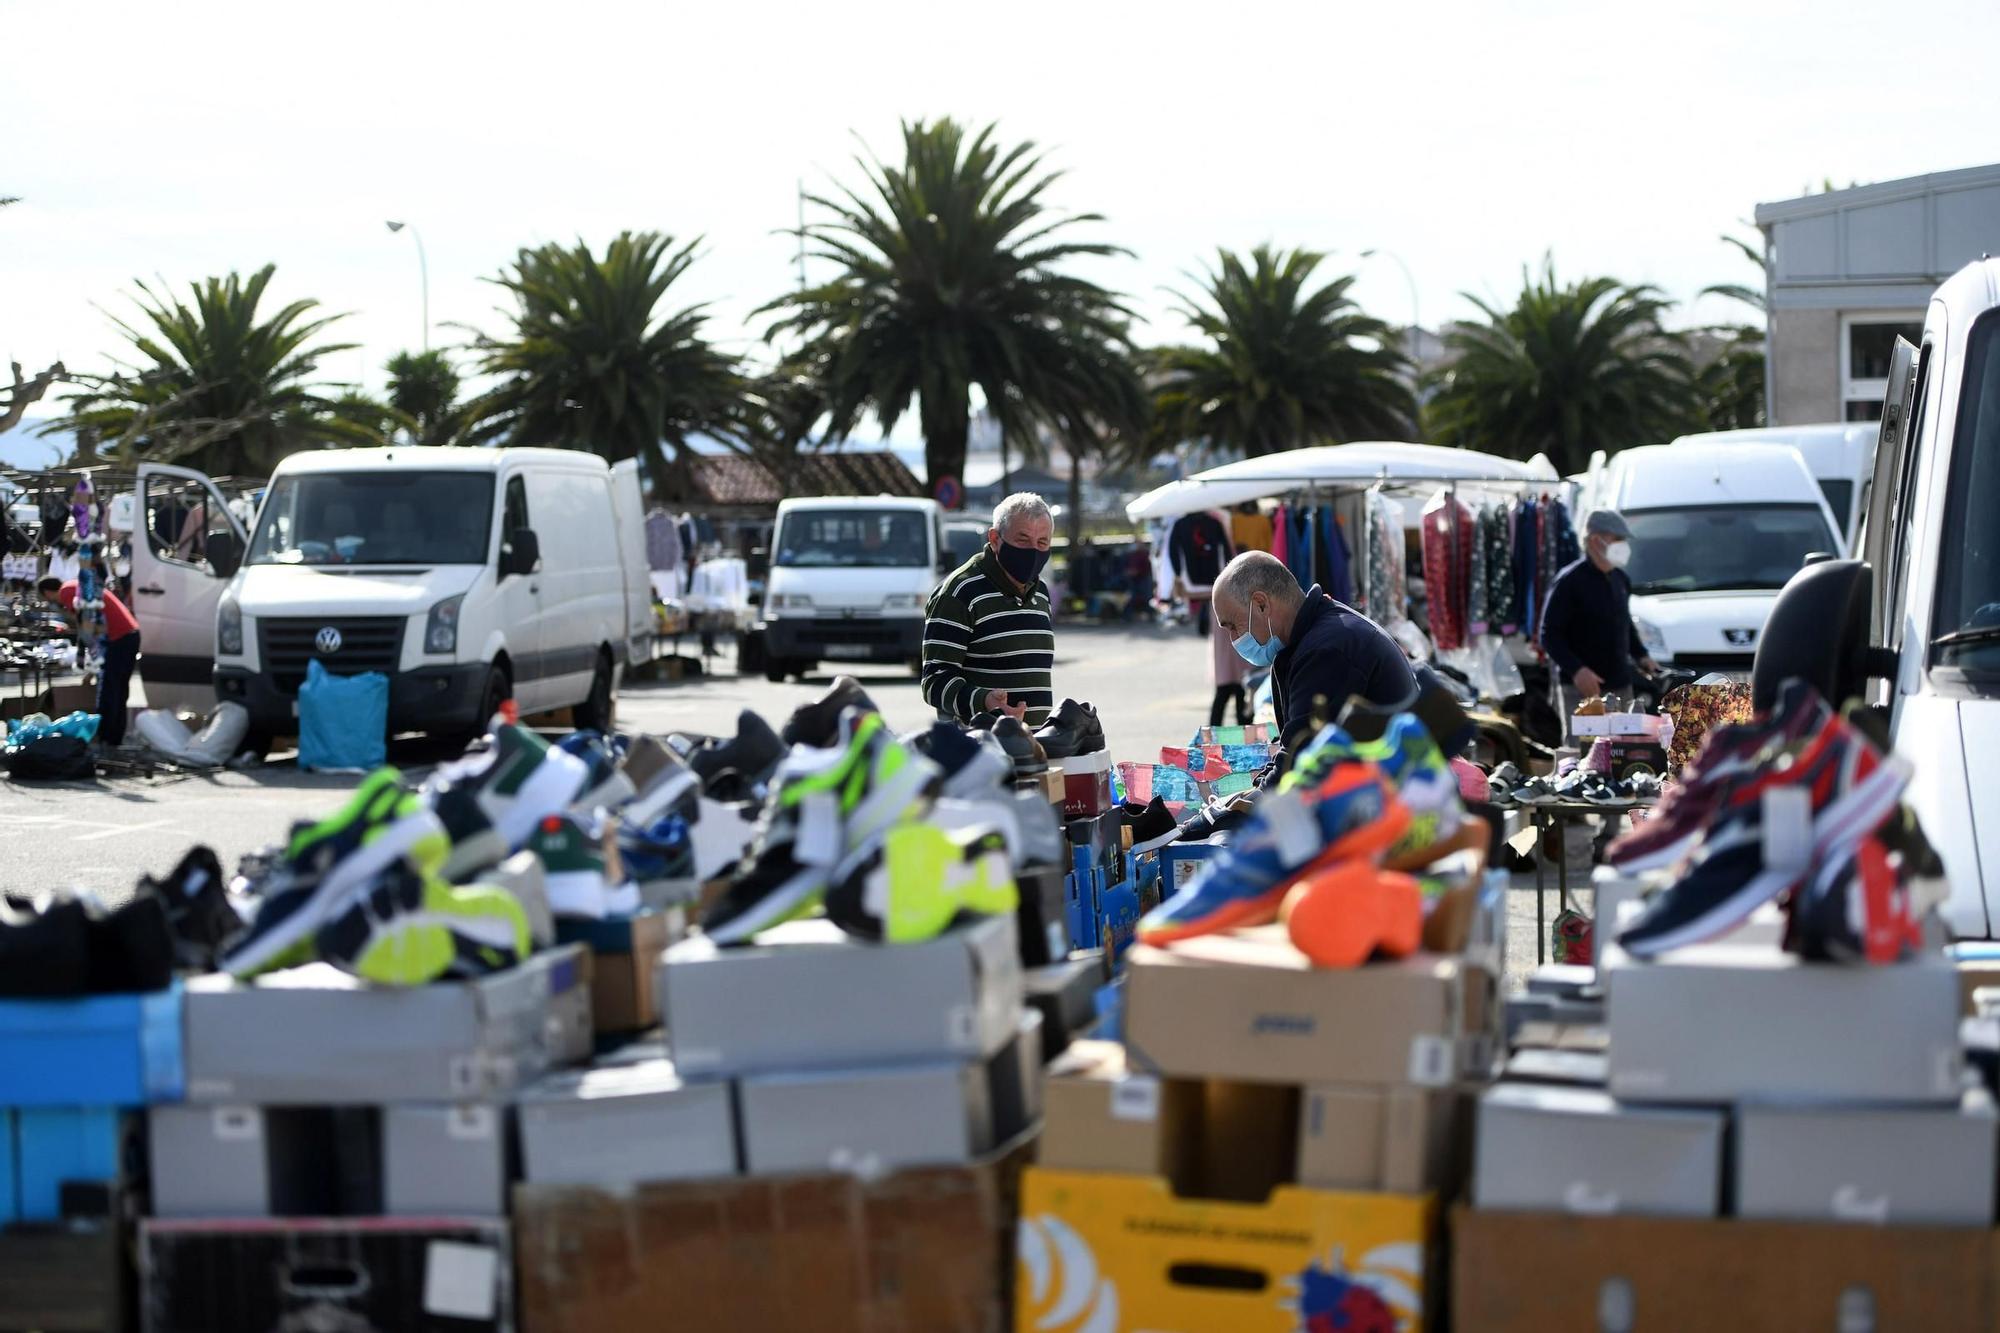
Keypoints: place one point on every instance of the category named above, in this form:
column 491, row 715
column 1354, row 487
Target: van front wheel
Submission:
column 599, row 711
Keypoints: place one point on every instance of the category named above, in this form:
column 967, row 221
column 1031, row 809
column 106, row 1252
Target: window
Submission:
column 376, row 518
column 853, row 539
column 1968, row 609
column 1866, row 344
column 1710, row 548
column 182, row 518
column 517, row 506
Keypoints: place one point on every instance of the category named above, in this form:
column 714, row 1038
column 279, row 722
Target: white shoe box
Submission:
column 445, row 1160
column 1576, row 1150
column 238, row 1161
column 1903, row 1165
column 612, row 1127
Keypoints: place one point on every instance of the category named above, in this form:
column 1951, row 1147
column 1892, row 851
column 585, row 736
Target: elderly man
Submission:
column 988, row 642
column 1587, row 628
column 1315, row 646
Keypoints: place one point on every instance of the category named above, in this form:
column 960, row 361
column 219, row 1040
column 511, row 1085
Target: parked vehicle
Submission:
column 1716, row 531
column 849, row 578
column 467, row 576
column 1913, row 625
column 1838, row 455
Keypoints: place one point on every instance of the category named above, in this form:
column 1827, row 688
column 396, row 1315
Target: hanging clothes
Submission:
column 1340, row 574
column 1298, row 551
column 1496, row 537
column 1250, row 529
column 663, row 542
column 1281, row 536
column 1526, row 612
column 1388, row 590
column 1447, row 542
column 1478, row 615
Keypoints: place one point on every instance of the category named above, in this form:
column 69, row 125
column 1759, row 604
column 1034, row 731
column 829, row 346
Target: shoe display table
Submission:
column 1544, row 816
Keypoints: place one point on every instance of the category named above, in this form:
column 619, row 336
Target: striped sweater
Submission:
column 980, row 635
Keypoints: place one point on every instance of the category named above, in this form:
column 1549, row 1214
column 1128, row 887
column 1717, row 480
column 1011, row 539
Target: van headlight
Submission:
column 229, row 628
column 790, row 601
column 902, row 601
column 441, row 629
column 1649, row 634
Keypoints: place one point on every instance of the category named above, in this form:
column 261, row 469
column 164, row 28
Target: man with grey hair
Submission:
column 989, row 645
column 1316, row 647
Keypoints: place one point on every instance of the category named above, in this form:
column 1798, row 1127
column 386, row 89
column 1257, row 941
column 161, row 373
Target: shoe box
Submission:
column 1086, row 784
column 70, row 1159
column 110, row 1050
column 1180, row 860
column 1042, row 919
column 765, row 1007
column 1730, row 1022
column 316, row 1036
column 1577, row 1150
column 1065, row 994
column 1256, row 734
column 10, row 1184
column 1531, row 1272
column 428, row 1275
column 624, row 964
column 639, row 1122
column 1395, row 1140
column 1103, row 1115
column 1914, row 1165
column 452, row 1160
column 1249, row 1006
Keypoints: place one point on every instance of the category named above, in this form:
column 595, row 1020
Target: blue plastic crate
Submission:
column 59, row 1143
column 98, row 1050
column 10, row 1189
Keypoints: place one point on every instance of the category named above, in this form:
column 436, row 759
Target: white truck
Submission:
column 848, row 581
column 467, row 576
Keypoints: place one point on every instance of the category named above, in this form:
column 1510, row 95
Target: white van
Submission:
column 1716, row 532
column 848, row 582
column 1837, row 454
column 1914, row 624
column 467, row 576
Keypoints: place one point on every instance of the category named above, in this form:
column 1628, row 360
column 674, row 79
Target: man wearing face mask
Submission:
column 1315, row 646
column 988, row 642
column 1587, row 628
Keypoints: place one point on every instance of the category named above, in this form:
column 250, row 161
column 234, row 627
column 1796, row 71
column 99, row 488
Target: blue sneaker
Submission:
column 1350, row 811
column 661, row 850
column 605, row 784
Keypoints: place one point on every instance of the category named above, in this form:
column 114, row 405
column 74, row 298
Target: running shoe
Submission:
column 1152, row 824
column 1409, row 758
column 817, row 724
column 1344, row 913
column 325, row 864
column 973, row 762
column 582, row 876
column 657, row 852
column 522, row 875
column 514, row 785
column 824, row 805
column 605, row 785
column 196, row 895
column 751, row 754
column 1855, row 908
column 1350, row 812
column 918, row 878
column 409, row 928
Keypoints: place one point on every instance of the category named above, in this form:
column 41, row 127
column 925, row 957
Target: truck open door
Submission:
column 186, row 546
column 628, row 506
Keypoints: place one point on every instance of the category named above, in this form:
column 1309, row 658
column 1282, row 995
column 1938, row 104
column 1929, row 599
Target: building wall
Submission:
column 1805, row 367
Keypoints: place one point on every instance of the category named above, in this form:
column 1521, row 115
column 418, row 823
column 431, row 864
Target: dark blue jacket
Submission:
column 1588, row 623
column 1335, row 652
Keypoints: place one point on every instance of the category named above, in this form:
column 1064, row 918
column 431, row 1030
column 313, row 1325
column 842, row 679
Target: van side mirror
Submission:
column 225, row 554
column 520, row 553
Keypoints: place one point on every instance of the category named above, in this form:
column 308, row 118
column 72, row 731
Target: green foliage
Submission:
column 214, row 386
column 423, row 387
column 1284, row 364
column 952, row 274
column 592, row 363
column 1568, row 369
column 1731, row 386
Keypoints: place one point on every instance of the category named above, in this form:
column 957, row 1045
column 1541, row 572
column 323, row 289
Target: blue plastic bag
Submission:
column 79, row 725
column 343, row 720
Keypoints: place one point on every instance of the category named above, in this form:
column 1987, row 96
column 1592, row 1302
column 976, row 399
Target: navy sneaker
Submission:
column 751, row 754
column 974, row 764
column 605, row 784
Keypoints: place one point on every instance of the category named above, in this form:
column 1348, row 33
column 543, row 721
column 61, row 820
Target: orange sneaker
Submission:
column 1343, row 914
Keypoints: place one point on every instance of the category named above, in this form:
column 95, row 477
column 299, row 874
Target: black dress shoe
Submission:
column 44, row 952
column 818, row 723
column 1152, row 824
column 1030, row 760
column 1071, row 729
column 131, row 948
column 984, row 721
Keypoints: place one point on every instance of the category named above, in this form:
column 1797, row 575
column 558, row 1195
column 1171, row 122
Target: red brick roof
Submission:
column 732, row 479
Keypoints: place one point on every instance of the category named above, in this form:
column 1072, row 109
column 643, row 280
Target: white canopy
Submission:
column 1332, row 465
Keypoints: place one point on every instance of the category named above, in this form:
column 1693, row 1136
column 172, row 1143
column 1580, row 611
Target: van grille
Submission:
column 367, row 643
column 870, row 632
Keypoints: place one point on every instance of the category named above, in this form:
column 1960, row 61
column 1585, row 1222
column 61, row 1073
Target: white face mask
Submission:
column 1619, row 554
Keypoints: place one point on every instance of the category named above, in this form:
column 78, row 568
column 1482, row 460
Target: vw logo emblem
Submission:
column 1742, row 638
column 327, row 640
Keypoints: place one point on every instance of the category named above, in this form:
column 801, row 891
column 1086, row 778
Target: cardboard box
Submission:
column 1014, row 1080
column 629, row 1123
column 428, row 1276
column 1096, row 1250
column 1051, row 786
column 1919, row 1166
column 1249, row 1006
column 1397, row 1140
column 1532, row 1273
column 1065, row 993
column 1179, row 862
column 1086, row 793
column 1642, row 726
column 866, row 1119
column 98, row 1050
column 1556, row 1149
column 66, row 1281
column 919, row 1249
column 61, row 1145
column 62, row 700
column 624, row 965
column 445, row 1161
column 240, row 1161
column 1729, row 1022
column 314, row 1035
column 1101, row 1115
column 843, row 1003
column 1042, row 919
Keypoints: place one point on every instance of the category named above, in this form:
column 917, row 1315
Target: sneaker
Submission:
column 582, row 877
column 1409, row 758
column 517, row 782
column 722, row 832
column 44, row 947
column 1152, row 824
column 131, row 946
column 1855, row 908
column 1030, row 759
column 605, row 784
column 409, row 928
column 1350, row 813
column 521, row 875
column 647, row 760
column 818, row 723
column 1223, row 814
column 752, row 753
column 325, row 864
column 1851, row 789
column 657, row 852
column 196, row 895
column 824, row 805
column 919, row 878
column 1072, row 729
column 1343, row 914
column 973, row 762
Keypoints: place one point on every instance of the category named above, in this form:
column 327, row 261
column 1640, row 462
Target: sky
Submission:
column 1465, row 138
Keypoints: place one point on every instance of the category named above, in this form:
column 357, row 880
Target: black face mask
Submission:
column 1023, row 564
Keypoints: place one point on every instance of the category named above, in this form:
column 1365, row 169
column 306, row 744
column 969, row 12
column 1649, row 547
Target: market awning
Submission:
column 1331, row 465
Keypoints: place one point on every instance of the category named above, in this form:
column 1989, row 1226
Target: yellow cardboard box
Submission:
column 1100, row 1252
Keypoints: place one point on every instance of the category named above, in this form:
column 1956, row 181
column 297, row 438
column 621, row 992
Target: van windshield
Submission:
column 1716, row 548
column 376, row 518
column 854, row 539
column 1968, row 610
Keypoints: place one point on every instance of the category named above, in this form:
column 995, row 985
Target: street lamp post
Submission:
column 423, row 275
column 1416, row 320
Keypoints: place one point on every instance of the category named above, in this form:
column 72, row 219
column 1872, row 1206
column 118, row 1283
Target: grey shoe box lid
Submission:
column 1722, row 1023
column 617, row 1126
column 1918, row 1166
column 866, row 1120
column 236, row 1161
column 807, row 996
column 314, row 1035
column 1576, row 1150
column 446, row 1160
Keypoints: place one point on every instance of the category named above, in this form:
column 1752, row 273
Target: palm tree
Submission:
column 1283, row 364
column 215, row 386
column 1570, row 368
column 1731, row 384
column 423, row 386
column 952, row 276
column 592, row 363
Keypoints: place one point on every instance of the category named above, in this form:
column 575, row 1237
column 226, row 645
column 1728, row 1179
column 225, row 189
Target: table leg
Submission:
column 1541, row 856
column 1562, row 863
